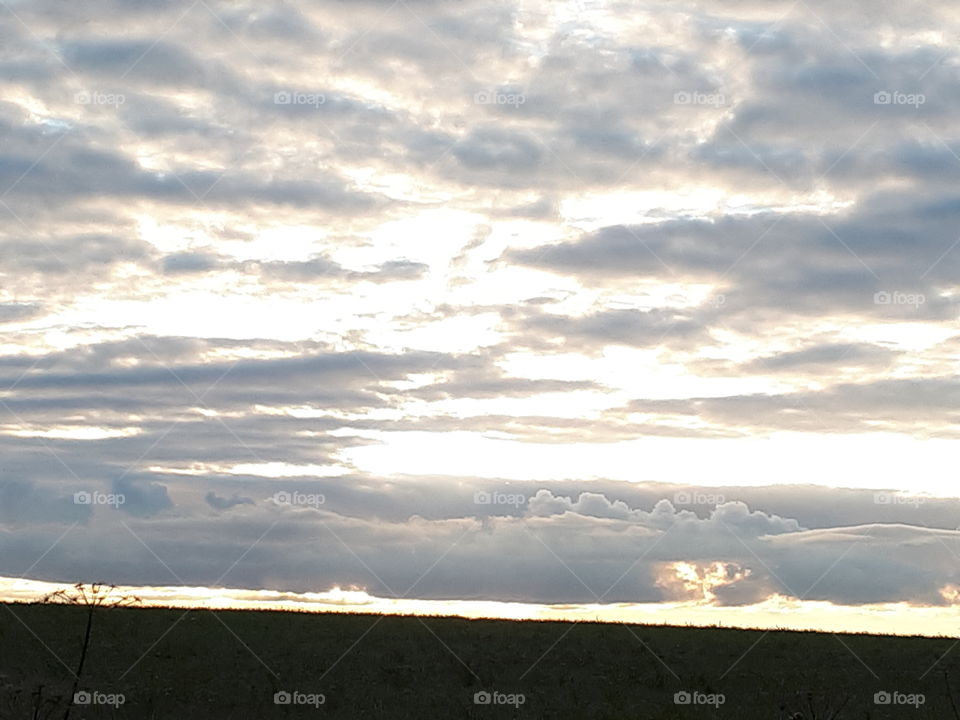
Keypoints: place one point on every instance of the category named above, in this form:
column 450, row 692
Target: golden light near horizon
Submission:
column 774, row 613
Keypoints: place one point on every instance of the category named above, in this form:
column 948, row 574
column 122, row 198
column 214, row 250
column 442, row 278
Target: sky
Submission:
column 631, row 310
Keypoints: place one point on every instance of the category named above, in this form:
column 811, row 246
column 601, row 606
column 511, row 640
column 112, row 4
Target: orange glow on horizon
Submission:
column 774, row 613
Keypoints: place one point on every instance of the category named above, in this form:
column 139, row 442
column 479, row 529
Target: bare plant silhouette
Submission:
column 91, row 596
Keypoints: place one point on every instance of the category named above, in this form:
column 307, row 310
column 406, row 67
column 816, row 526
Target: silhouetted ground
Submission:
column 231, row 664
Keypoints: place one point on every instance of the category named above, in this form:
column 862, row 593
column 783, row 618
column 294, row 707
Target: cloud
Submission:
column 300, row 271
column 140, row 498
column 588, row 332
column 222, row 503
column 923, row 405
column 734, row 515
column 148, row 60
column 826, row 356
column 14, row 312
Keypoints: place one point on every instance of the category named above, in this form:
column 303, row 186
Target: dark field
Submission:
column 230, row 664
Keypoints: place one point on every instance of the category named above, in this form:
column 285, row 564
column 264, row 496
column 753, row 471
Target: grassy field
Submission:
column 240, row 664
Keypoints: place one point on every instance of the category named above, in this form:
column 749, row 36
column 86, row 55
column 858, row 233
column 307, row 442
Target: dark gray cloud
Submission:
column 777, row 267
column 591, row 332
column 156, row 62
column 141, row 498
column 303, row 271
column 827, row 357
column 222, row 503
column 71, row 163
column 921, row 405
column 14, row 312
